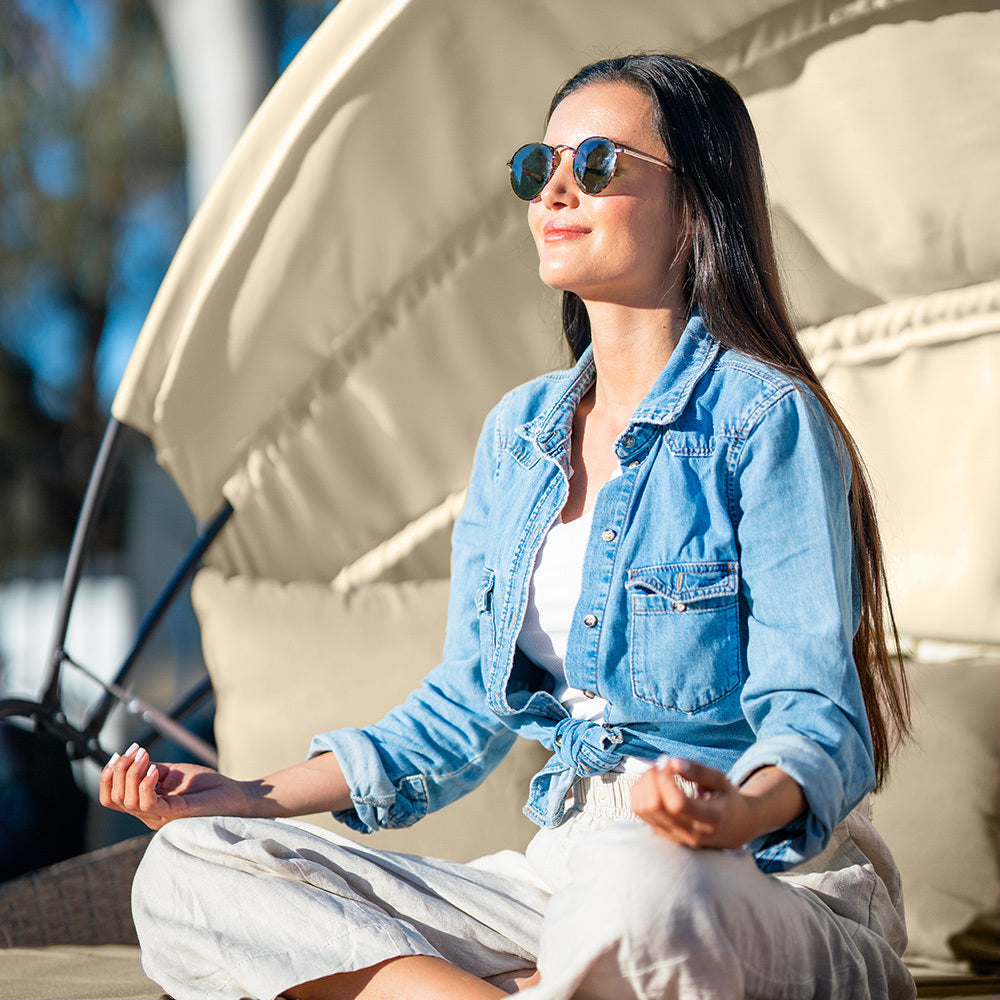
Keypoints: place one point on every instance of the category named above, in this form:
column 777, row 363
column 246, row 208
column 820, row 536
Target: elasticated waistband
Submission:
column 606, row 795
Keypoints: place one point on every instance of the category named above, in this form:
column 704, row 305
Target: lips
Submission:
column 555, row 230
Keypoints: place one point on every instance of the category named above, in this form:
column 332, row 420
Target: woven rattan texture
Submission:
column 85, row 900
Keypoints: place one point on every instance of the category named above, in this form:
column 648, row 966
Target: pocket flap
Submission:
column 687, row 582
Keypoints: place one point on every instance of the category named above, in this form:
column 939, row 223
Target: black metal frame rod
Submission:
column 160, row 721
column 48, row 712
column 188, row 703
column 97, row 487
column 156, row 612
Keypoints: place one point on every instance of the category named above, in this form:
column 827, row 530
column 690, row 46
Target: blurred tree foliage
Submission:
column 88, row 131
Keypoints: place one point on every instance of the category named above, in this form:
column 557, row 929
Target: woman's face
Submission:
column 618, row 245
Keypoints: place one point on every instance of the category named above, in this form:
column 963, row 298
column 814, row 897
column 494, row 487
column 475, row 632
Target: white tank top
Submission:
column 553, row 592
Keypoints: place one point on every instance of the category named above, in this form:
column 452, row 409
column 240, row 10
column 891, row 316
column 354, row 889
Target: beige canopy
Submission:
column 360, row 287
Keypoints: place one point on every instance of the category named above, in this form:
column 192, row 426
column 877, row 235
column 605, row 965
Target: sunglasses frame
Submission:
column 555, row 154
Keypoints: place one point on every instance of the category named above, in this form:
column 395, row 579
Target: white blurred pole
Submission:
column 222, row 70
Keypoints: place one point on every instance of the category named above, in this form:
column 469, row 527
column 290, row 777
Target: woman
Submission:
column 668, row 572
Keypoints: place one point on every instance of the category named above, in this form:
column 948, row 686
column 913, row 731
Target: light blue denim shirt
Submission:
column 716, row 615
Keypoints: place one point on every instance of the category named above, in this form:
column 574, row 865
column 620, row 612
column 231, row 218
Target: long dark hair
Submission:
column 732, row 279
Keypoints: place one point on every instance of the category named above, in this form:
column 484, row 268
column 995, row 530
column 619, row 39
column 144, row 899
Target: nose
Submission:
column 560, row 189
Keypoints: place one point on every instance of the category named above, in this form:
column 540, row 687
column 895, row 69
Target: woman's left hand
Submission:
column 714, row 813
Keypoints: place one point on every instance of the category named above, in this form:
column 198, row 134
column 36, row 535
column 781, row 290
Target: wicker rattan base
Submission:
column 86, row 900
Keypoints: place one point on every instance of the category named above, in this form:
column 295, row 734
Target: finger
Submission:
column 705, row 814
column 645, row 795
column 118, row 775
column 149, row 798
column 689, row 835
column 658, row 802
column 687, row 806
column 677, row 791
column 135, row 773
column 686, row 825
column 709, row 779
column 658, row 793
column 107, row 777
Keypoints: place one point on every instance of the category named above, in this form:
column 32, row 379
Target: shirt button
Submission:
column 679, row 606
column 608, row 535
column 589, row 694
column 558, row 741
column 628, row 441
column 590, row 620
column 634, row 464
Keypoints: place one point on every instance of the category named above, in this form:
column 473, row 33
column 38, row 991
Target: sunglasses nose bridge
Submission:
column 558, row 157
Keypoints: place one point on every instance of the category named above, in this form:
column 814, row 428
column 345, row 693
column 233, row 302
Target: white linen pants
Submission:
column 606, row 909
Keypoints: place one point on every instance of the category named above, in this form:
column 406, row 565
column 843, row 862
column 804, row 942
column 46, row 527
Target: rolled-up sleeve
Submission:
column 443, row 740
column 802, row 696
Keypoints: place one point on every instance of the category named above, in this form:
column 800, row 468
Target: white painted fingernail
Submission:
column 662, row 762
column 114, row 757
column 152, row 770
column 131, row 750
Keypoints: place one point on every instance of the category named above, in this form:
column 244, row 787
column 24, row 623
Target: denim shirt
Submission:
column 716, row 616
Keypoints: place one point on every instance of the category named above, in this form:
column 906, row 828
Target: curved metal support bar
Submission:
column 21, row 707
column 156, row 612
column 97, row 487
column 198, row 693
column 53, row 722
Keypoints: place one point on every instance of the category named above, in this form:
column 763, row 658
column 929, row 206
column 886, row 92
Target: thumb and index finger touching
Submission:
column 130, row 782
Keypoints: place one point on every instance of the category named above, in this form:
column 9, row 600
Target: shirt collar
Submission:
column 694, row 354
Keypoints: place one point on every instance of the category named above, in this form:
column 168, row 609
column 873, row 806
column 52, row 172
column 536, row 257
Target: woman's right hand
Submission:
column 159, row 793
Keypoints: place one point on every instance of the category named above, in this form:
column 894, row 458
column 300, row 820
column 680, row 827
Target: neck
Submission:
column 631, row 348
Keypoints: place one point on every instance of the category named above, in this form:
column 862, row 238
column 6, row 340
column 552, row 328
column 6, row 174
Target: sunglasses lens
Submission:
column 594, row 164
column 530, row 168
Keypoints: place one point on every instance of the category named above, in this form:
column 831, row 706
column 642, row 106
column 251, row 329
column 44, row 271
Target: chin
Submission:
column 559, row 279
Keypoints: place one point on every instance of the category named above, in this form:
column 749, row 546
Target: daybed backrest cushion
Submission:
column 939, row 814
column 918, row 384
column 291, row 660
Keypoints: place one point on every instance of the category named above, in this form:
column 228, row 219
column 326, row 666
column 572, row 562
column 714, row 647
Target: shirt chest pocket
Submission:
column 684, row 645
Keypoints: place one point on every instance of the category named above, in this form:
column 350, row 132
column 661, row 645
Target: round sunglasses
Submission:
column 594, row 164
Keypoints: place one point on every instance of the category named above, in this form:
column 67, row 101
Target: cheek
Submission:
column 632, row 236
column 654, row 239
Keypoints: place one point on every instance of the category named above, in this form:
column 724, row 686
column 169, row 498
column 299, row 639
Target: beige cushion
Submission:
column 100, row 972
column 291, row 660
column 874, row 209
column 939, row 813
column 916, row 383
